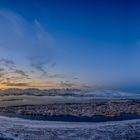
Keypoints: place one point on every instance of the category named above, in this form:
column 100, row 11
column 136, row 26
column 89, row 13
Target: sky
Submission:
column 69, row 44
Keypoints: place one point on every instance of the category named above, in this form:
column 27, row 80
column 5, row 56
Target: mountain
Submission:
column 97, row 94
column 111, row 94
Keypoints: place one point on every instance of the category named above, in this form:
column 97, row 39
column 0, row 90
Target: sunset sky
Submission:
column 69, row 43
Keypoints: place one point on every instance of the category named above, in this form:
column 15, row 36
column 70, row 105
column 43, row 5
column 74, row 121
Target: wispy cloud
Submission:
column 20, row 72
column 10, row 74
column 33, row 43
column 30, row 39
column 17, row 84
column 7, row 63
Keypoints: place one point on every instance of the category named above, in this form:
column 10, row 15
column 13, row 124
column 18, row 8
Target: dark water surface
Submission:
column 69, row 118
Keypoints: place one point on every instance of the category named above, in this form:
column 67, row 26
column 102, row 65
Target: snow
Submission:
column 110, row 94
column 20, row 129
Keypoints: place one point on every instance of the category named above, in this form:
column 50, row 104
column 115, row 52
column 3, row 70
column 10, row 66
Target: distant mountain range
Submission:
column 112, row 94
column 101, row 94
column 39, row 92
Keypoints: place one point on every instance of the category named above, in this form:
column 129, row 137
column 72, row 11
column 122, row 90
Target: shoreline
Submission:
column 69, row 118
column 47, row 124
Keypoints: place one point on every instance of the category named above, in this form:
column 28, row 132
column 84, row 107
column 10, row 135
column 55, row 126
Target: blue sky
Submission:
column 70, row 43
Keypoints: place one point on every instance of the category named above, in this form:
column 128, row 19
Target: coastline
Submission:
column 70, row 118
column 37, row 123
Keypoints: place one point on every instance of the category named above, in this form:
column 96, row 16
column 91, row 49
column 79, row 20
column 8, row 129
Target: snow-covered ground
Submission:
column 20, row 129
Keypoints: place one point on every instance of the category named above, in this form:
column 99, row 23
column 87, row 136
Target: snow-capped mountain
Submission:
column 103, row 94
column 111, row 94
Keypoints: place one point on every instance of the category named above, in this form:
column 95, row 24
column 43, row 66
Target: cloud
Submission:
column 17, row 84
column 39, row 63
column 75, row 78
column 14, row 30
column 57, row 76
column 30, row 39
column 7, row 63
column 10, row 66
column 1, row 69
column 67, row 84
column 2, row 74
column 27, row 41
column 39, row 66
column 10, row 74
column 44, row 39
column 21, row 72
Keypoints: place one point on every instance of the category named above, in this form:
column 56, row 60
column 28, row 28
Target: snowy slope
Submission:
column 20, row 129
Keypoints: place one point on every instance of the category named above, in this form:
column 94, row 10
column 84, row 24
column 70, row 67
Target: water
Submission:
column 69, row 118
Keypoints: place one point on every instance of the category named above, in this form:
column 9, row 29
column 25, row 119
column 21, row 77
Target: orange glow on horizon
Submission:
column 39, row 85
